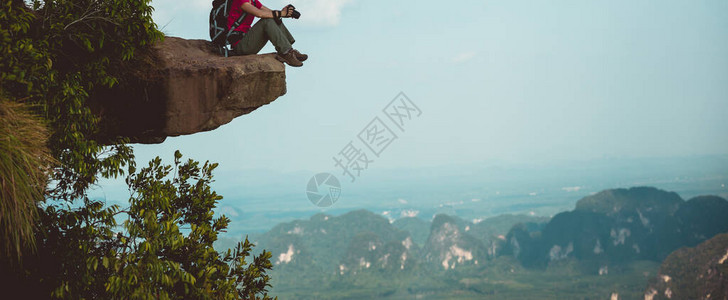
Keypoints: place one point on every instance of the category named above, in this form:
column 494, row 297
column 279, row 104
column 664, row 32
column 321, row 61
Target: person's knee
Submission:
column 268, row 22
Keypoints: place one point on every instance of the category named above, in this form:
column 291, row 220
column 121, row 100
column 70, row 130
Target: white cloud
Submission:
column 464, row 56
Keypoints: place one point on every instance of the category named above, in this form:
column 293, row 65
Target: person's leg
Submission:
column 258, row 35
column 300, row 56
column 287, row 33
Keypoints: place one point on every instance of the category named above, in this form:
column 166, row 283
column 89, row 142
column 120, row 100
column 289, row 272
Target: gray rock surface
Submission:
column 192, row 89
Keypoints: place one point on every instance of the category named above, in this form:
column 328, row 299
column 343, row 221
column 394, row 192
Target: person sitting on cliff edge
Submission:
column 269, row 27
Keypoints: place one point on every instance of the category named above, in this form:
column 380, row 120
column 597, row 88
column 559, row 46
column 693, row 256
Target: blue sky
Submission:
column 515, row 81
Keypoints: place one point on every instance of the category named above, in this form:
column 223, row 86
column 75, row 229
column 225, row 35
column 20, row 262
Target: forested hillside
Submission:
column 612, row 243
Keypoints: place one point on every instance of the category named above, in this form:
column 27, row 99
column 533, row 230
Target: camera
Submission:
column 295, row 14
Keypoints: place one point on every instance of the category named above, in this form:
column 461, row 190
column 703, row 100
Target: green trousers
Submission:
column 263, row 31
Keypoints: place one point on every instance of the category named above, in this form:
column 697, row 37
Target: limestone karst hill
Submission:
column 700, row 272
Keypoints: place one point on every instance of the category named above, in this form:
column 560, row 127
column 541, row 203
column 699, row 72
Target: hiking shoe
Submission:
column 300, row 56
column 289, row 58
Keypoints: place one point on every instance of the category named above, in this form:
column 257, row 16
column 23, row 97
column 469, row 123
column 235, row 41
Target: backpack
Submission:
column 222, row 38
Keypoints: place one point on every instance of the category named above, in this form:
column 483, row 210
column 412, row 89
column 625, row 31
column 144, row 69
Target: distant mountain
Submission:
column 368, row 250
column 363, row 240
column 618, row 226
column 327, row 252
column 497, row 227
column 693, row 273
column 701, row 218
column 361, row 254
column 449, row 246
column 325, row 240
column 632, row 203
column 418, row 228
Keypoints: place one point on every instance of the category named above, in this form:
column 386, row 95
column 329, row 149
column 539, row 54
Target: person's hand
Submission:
column 287, row 11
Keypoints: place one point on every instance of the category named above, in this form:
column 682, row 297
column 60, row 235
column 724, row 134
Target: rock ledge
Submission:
column 194, row 89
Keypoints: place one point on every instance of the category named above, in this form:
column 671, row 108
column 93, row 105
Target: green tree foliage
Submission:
column 57, row 54
column 56, row 57
column 162, row 250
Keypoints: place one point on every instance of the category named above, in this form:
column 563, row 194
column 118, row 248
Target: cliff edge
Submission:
column 189, row 88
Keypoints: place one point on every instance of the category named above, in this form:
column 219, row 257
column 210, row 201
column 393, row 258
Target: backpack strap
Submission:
column 218, row 28
column 239, row 21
